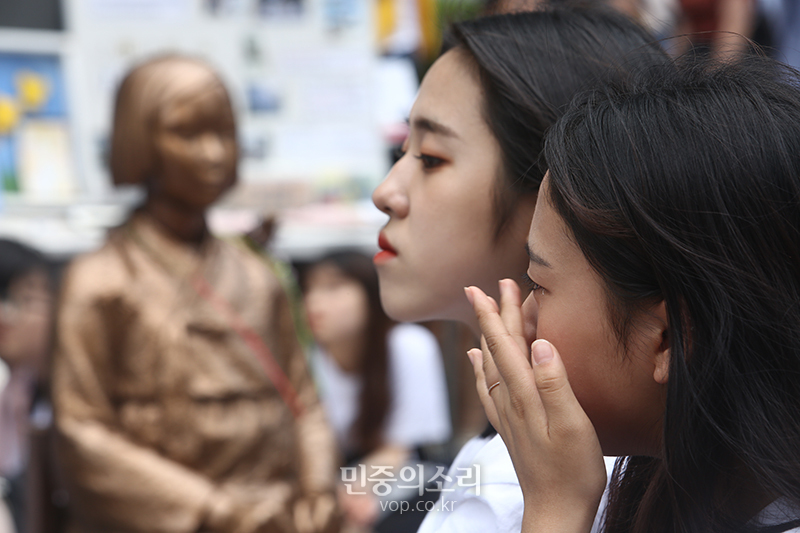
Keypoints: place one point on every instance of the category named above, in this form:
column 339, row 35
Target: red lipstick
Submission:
column 386, row 254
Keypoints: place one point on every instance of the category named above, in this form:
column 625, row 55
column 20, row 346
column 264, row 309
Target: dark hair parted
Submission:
column 682, row 185
column 374, row 401
column 530, row 67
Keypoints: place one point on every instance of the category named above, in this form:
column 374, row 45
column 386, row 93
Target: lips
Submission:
column 387, row 253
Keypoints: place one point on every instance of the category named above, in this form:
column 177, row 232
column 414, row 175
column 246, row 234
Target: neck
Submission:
column 185, row 224
column 347, row 352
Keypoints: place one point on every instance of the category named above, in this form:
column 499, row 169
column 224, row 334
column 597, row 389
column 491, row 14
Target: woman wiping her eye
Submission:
column 667, row 235
column 460, row 200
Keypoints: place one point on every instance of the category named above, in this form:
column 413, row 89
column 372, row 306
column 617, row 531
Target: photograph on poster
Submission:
column 35, row 148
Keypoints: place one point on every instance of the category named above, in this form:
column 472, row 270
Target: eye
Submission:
column 532, row 285
column 429, row 162
column 398, row 153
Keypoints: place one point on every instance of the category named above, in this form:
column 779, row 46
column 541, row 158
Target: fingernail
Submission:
column 542, row 351
column 468, row 292
column 471, row 359
column 505, row 284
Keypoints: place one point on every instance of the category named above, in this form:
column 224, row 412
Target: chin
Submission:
column 397, row 310
column 404, row 308
column 400, row 303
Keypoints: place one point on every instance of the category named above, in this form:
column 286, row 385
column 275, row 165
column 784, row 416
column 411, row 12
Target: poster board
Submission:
column 308, row 87
column 301, row 74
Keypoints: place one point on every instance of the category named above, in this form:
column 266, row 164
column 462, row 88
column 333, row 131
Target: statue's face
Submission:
column 195, row 146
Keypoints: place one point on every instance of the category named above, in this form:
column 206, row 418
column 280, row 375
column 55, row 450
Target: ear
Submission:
column 661, row 356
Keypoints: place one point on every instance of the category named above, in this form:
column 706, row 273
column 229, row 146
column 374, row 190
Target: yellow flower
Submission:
column 9, row 114
column 33, row 90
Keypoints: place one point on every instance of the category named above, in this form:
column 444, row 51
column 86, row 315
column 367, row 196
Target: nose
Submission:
column 530, row 317
column 212, row 147
column 391, row 195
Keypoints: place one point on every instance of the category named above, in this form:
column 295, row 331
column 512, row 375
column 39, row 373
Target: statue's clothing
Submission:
column 163, row 410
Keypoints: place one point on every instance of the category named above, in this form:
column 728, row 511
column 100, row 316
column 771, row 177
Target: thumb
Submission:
column 559, row 402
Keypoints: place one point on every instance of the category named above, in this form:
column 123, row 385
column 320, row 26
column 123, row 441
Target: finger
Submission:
column 511, row 362
column 555, row 393
column 490, row 371
column 476, row 357
column 511, row 311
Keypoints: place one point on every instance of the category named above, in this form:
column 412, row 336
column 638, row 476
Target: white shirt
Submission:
column 496, row 505
column 419, row 412
column 778, row 512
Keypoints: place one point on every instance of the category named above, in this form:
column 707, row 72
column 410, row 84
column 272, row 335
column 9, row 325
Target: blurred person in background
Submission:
column 382, row 383
column 784, row 18
column 720, row 28
column 26, row 319
column 183, row 401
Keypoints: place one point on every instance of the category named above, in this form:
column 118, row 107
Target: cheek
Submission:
column 337, row 312
column 176, row 153
column 584, row 344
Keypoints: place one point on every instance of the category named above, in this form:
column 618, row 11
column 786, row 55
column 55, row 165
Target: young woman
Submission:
column 461, row 198
column 665, row 270
column 476, row 133
column 382, row 384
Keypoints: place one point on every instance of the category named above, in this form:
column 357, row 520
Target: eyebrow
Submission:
column 432, row 126
column 535, row 258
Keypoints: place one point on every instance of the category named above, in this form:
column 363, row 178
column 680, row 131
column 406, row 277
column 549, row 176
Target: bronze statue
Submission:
column 166, row 416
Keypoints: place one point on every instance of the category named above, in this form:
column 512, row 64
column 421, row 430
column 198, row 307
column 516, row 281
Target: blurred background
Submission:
column 321, row 89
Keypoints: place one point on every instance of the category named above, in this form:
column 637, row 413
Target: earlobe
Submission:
column 661, row 371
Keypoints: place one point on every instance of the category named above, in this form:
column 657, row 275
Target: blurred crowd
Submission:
column 704, row 26
column 93, row 419
column 708, row 26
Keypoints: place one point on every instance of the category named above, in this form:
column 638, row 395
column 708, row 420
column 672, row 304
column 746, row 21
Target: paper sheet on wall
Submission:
column 326, row 149
column 45, row 160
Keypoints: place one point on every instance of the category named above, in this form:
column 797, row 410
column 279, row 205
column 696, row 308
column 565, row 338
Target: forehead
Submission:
column 324, row 273
column 195, row 98
column 451, row 94
column 550, row 237
column 34, row 279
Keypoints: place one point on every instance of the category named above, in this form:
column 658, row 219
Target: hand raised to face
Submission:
column 550, row 438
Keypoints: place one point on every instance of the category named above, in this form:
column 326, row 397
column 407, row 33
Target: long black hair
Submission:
column 531, row 65
column 682, row 185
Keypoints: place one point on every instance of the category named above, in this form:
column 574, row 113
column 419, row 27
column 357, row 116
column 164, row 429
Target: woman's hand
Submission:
column 551, row 441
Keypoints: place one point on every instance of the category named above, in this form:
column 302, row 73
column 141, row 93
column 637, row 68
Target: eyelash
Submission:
column 532, row 285
column 429, row 162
